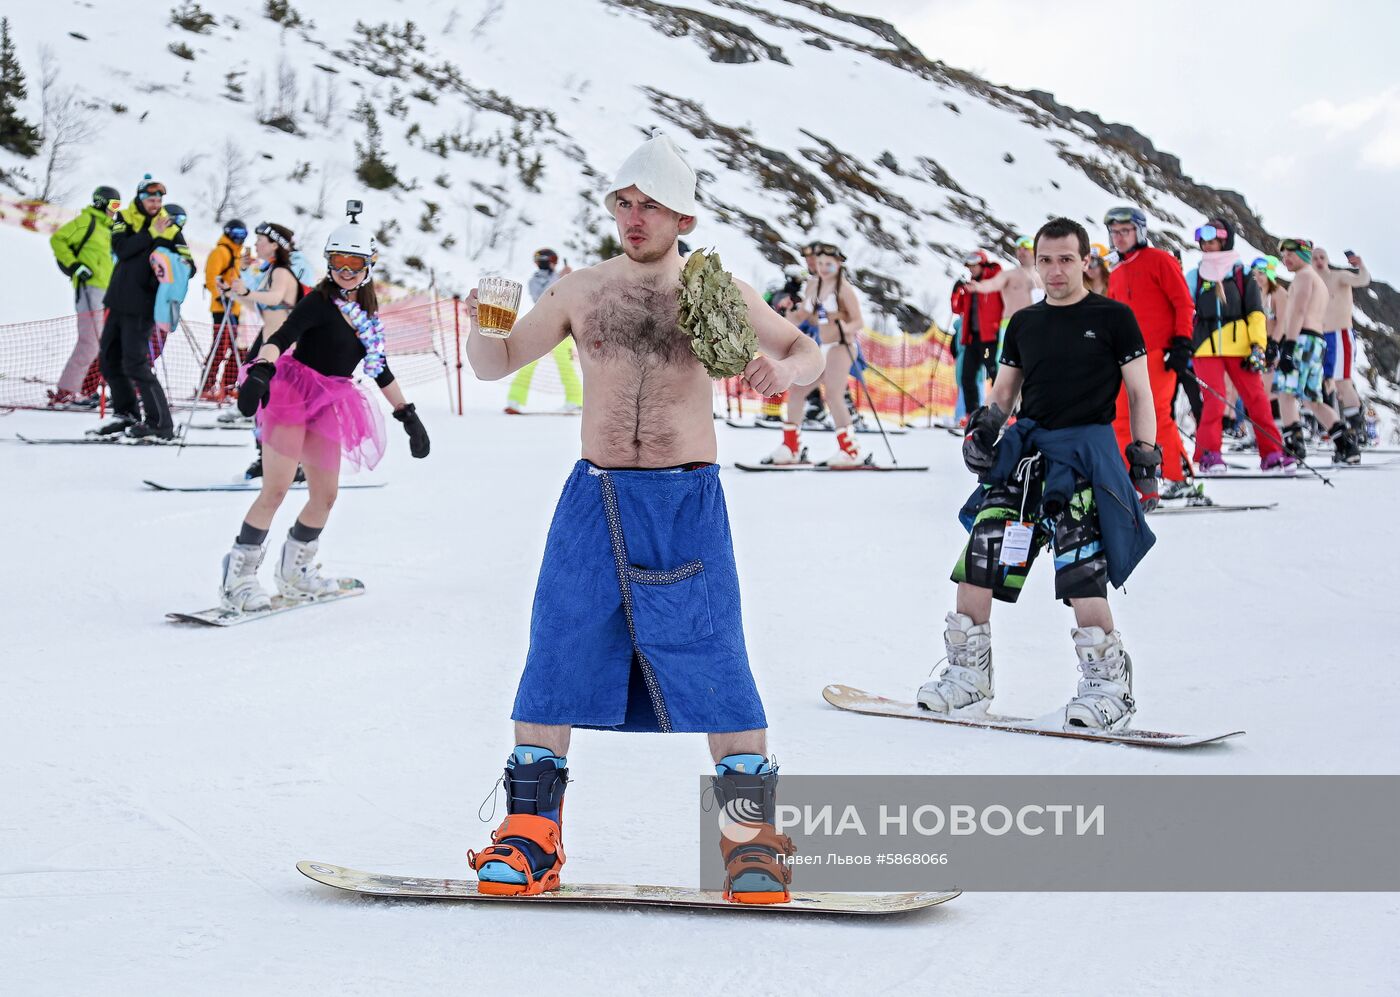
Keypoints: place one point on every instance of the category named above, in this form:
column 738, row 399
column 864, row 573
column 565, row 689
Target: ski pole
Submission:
column 1272, row 430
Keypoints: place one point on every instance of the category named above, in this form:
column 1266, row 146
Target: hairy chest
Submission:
column 633, row 322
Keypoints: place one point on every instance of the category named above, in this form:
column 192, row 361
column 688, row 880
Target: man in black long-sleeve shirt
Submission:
column 125, row 352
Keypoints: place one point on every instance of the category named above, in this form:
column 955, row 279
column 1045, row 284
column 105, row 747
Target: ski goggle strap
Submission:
column 271, row 233
column 1207, row 232
column 347, row 263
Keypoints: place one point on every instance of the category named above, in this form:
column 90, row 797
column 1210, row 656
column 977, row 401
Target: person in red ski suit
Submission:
column 1150, row 282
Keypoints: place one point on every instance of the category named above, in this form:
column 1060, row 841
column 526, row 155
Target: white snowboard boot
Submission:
column 967, row 681
column 1105, row 697
column 298, row 574
column 791, row 450
column 848, row 452
column 240, row 590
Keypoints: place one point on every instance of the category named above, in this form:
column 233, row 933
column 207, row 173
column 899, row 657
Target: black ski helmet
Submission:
column 546, row 259
column 104, row 195
column 236, row 229
column 177, row 214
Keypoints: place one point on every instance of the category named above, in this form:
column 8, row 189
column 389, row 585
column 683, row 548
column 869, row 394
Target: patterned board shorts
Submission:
column 1081, row 565
column 1306, row 379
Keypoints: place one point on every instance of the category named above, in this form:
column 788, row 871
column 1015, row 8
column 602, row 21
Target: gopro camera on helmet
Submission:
column 354, row 209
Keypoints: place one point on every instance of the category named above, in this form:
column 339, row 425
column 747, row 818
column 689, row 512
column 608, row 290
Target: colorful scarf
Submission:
column 370, row 331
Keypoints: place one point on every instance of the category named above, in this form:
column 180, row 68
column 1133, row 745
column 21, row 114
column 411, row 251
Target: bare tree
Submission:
column 228, row 191
column 66, row 123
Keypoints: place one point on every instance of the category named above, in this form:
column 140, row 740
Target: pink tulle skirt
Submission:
column 315, row 419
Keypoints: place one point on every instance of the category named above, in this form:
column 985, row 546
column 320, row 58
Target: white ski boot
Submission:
column 240, row 590
column 791, row 450
column 298, row 574
column 1105, row 697
column 848, row 452
column 967, row 681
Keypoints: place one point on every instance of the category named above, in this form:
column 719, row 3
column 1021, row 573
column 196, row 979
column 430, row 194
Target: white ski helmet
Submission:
column 354, row 240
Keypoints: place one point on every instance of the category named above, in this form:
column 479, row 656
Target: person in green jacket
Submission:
column 83, row 251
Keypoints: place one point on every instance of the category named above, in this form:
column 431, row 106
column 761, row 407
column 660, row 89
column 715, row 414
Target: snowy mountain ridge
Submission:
column 477, row 131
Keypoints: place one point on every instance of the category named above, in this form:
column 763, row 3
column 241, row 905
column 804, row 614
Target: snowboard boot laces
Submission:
column 1104, row 699
column 745, row 788
column 240, row 590
column 298, row 574
column 967, row 681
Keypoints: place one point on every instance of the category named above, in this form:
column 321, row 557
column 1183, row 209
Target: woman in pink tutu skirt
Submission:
column 310, row 412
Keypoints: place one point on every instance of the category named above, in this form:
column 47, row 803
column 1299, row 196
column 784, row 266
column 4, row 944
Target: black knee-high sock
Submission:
column 251, row 536
column 302, row 533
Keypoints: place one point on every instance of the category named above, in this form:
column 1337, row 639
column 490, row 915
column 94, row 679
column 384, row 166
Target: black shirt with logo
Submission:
column 1070, row 356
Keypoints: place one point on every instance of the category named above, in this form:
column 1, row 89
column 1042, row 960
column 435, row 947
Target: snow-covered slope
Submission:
column 501, row 122
column 157, row 783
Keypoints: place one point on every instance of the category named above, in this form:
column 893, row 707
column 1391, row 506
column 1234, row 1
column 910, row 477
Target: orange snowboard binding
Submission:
column 524, row 844
column 754, row 872
column 746, row 788
column 526, row 851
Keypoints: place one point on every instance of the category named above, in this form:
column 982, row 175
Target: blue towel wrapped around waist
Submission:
column 1088, row 452
column 636, row 622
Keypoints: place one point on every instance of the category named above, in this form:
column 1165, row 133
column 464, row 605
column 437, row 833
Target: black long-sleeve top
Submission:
column 132, row 288
column 325, row 342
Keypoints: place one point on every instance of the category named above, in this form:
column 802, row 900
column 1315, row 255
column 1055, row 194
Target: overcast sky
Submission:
column 1296, row 105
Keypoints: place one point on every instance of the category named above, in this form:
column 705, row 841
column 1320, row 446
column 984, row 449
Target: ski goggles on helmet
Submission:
column 1122, row 216
column 1295, row 246
column 546, row 258
column 808, row 249
column 347, row 263
column 114, row 205
column 1208, row 232
column 237, row 234
column 275, row 236
column 825, row 249
column 151, row 189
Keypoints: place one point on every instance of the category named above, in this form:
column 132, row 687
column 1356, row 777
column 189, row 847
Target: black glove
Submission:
column 82, row 272
column 1271, row 353
column 252, row 393
column 413, row 426
column 1145, row 467
column 1285, row 357
column 1179, row 357
column 980, row 444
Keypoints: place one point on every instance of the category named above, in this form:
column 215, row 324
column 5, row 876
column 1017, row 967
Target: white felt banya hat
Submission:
column 658, row 170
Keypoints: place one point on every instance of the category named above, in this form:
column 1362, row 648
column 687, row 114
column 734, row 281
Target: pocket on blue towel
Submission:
column 670, row 607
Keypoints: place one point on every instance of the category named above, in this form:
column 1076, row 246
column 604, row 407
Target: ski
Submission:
column 244, row 425
column 827, row 467
column 117, row 441
column 1179, row 510
column 843, row 697
column 220, row 617
column 617, row 894
column 249, row 486
column 890, row 430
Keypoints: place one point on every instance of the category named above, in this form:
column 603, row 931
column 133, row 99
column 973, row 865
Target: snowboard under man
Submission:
column 1056, row 476
column 636, row 623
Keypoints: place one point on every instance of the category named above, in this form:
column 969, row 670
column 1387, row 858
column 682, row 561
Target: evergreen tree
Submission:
column 16, row 134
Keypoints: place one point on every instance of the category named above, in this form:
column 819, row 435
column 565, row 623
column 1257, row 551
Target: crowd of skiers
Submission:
column 130, row 269
column 1245, row 345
